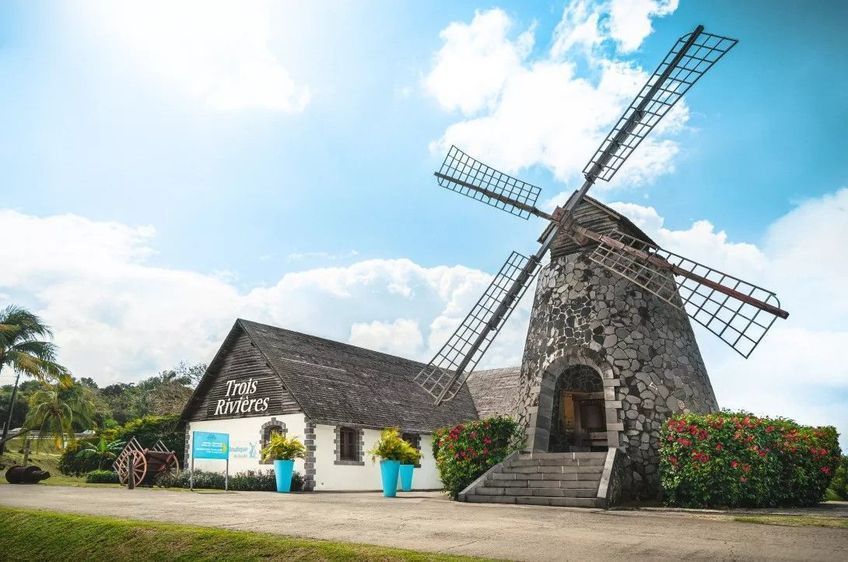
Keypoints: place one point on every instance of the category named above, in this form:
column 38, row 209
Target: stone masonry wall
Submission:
column 643, row 347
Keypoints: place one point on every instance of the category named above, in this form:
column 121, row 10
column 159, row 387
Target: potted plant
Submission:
column 391, row 449
column 411, row 457
column 283, row 450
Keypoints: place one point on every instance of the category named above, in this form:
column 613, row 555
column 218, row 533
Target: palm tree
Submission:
column 53, row 410
column 103, row 450
column 23, row 348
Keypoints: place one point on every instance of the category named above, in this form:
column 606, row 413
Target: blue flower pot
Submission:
column 406, row 477
column 283, row 472
column 389, row 472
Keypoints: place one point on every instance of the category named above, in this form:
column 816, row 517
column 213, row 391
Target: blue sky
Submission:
column 181, row 167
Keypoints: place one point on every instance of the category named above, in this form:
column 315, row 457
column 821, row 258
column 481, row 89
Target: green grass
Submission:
column 795, row 520
column 45, row 535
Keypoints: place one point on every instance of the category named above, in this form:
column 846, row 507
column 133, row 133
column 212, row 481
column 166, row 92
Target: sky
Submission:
column 172, row 166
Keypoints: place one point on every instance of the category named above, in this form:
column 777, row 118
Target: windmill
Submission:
column 738, row 312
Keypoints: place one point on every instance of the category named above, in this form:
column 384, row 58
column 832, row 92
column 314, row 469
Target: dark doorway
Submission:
column 578, row 421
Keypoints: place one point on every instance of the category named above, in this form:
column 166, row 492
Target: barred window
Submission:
column 348, row 446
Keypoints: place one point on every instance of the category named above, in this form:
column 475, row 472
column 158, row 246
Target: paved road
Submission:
column 426, row 521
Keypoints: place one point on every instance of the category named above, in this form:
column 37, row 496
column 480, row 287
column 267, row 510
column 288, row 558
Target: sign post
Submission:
column 208, row 445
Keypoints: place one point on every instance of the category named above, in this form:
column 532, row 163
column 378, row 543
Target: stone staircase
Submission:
column 556, row 479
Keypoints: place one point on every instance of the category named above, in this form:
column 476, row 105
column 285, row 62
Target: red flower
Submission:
column 743, row 479
column 487, row 440
column 769, row 429
column 683, row 441
column 746, row 468
column 703, row 434
column 719, row 447
column 826, row 470
column 734, row 464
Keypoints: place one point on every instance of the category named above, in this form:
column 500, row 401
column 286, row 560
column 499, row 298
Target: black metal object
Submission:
column 689, row 59
column 26, row 475
column 463, row 174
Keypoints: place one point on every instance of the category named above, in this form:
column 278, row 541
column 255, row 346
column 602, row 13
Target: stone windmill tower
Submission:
column 610, row 352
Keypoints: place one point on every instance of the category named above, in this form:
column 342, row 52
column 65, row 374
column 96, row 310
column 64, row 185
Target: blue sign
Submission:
column 205, row 445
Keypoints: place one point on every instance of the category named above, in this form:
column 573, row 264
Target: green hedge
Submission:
column 146, row 430
column 250, row 481
column 466, row 451
column 732, row 459
column 102, row 477
column 71, row 465
column 149, row 429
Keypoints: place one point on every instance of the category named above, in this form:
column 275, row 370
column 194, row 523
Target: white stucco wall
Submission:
column 245, row 441
column 332, row 476
column 245, row 435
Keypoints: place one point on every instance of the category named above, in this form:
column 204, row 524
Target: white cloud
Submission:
column 470, row 70
column 630, row 20
column 520, row 111
column 214, row 51
column 118, row 317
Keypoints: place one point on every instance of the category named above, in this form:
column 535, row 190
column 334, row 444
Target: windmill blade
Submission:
column 690, row 58
column 470, row 177
column 736, row 311
column 447, row 371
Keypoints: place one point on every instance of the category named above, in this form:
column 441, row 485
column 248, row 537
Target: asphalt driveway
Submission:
column 429, row 522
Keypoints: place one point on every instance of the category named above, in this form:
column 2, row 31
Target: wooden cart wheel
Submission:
column 122, row 469
column 140, row 467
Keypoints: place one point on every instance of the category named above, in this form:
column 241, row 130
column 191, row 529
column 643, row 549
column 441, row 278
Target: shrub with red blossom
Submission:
column 467, row 450
column 732, row 459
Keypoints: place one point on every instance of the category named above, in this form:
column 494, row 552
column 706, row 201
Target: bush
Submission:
column 71, row 463
column 838, row 489
column 146, row 430
column 466, row 451
column 733, row 459
column 149, row 429
column 250, row 481
column 102, row 477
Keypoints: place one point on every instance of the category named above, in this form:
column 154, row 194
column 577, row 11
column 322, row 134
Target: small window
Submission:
column 271, row 428
column 348, row 444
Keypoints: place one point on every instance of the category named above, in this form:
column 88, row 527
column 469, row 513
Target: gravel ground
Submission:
column 427, row 521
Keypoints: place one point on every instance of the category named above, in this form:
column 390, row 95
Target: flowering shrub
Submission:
column 736, row 459
column 467, row 450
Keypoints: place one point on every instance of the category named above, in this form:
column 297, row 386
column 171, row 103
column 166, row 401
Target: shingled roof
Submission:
column 495, row 391
column 337, row 383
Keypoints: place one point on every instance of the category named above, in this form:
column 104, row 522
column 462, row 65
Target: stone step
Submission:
column 585, row 483
column 540, row 455
column 549, row 492
column 553, row 469
column 591, row 461
column 537, row 500
column 572, row 477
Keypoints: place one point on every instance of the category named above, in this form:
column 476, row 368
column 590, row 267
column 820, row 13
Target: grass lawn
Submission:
column 45, row 535
column 795, row 520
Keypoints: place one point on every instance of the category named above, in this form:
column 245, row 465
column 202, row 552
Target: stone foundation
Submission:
column 643, row 349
